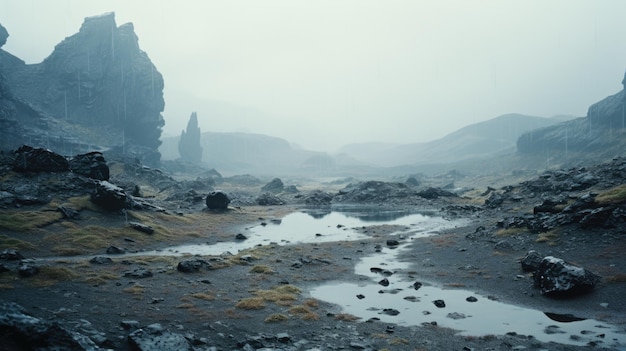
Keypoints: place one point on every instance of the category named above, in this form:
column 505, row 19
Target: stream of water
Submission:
column 400, row 302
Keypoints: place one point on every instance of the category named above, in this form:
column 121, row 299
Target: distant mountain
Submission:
column 600, row 134
column 258, row 154
column 480, row 140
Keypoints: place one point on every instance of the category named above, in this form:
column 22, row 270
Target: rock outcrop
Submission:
column 601, row 131
column 97, row 89
column 189, row 142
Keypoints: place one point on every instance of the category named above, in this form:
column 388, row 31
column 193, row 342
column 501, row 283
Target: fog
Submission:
column 326, row 73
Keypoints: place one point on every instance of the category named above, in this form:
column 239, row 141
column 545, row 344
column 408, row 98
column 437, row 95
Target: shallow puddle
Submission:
column 406, row 303
column 315, row 226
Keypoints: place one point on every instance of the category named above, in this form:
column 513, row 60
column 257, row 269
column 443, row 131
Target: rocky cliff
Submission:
column 97, row 89
column 601, row 132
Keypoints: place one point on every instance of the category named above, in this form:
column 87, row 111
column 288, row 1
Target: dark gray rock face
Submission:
column 556, row 277
column 192, row 266
column 91, row 165
column 29, row 159
column 109, row 196
column 590, row 133
column 217, row 200
column 20, row 331
column 189, row 142
column 374, row 192
column 96, row 88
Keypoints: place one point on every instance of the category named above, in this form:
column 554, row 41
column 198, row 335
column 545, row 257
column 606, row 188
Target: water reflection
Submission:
column 413, row 303
column 314, row 226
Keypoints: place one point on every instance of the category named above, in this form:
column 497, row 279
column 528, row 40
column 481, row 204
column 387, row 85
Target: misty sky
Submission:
column 326, row 73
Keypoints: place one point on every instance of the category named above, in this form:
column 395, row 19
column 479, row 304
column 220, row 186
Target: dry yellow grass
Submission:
column 251, row 303
column 261, row 269
column 346, row 317
column 616, row 195
column 24, row 221
column 275, row 318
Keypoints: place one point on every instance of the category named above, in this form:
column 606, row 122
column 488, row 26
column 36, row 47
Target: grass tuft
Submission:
column 276, row 318
column 251, row 303
column 612, row 196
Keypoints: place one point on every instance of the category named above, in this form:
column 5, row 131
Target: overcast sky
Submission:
column 326, row 73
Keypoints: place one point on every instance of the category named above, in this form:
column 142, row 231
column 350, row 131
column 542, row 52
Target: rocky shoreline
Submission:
column 80, row 294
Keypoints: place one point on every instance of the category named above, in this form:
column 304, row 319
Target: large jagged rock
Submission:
column 30, row 159
column 189, row 142
column 97, row 88
column 21, row 331
column 556, row 277
column 91, row 165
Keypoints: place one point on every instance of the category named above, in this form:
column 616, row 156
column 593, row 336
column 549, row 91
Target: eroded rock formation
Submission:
column 189, row 142
column 97, row 89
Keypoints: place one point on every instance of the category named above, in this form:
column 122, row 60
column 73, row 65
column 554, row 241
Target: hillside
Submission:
column 486, row 139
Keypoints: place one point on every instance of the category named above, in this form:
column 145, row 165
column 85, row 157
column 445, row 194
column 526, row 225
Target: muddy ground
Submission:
column 259, row 298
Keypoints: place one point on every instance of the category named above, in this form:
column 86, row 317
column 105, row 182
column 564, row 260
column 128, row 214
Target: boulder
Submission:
column 109, row 196
column 318, row 198
column 274, row 186
column 531, row 262
column 269, row 199
column 21, row 331
column 155, row 338
column 91, row 165
column 191, row 266
column 217, row 200
column 434, row 193
column 556, row 277
column 30, row 159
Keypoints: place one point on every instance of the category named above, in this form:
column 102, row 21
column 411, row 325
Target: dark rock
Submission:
column 439, row 303
column 375, row 192
column 20, row 331
column 29, row 159
column 392, row 243
column 114, row 250
column 557, row 277
column 494, row 200
column 503, row 245
column 291, row 189
column 26, row 270
column 109, row 196
column 275, row 186
column 68, row 212
column 412, row 181
column 217, row 200
column 101, row 260
column 548, row 205
column 11, row 255
column 191, row 266
column 360, row 296
column 6, row 198
column 138, row 273
column 598, row 217
column 141, row 227
column 390, row 312
column 532, row 261
column 268, row 199
column 471, row 299
column 4, row 268
column 155, row 338
column 130, row 324
column 435, row 193
column 91, row 165
column 318, row 198
column 240, row 237
column 417, row 285
column 283, row 337
column 384, row 282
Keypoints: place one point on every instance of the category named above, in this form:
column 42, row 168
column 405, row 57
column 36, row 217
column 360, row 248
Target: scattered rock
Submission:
column 155, row 338
column 114, row 250
column 240, row 236
column 141, row 227
column 531, row 262
column 274, row 186
column 29, row 159
column 439, row 303
column 26, row 270
column 384, row 282
column 68, row 212
column 191, row 266
column 101, row 260
column 109, row 196
column 138, row 273
column 269, row 199
column 217, row 200
column 11, row 255
column 91, row 165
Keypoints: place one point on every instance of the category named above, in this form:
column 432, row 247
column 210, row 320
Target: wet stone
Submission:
column 439, row 303
column 100, row 260
column 384, row 282
column 417, row 285
column 27, row 270
column 141, row 227
column 190, row 266
column 138, row 273
column 11, row 255
column 114, row 250
column 390, row 311
column 471, row 299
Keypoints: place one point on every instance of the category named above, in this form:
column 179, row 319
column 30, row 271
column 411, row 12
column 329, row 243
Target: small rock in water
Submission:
column 240, row 237
column 392, row 243
column 384, row 282
column 456, row 315
column 360, row 296
column 440, row 303
column 390, row 312
column 114, row 250
column 471, row 299
column 417, row 285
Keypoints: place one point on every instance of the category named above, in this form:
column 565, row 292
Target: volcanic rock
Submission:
column 109, row 196
column 91, row 165
column 30, row 159
column 217, row 200
column 557, row 277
